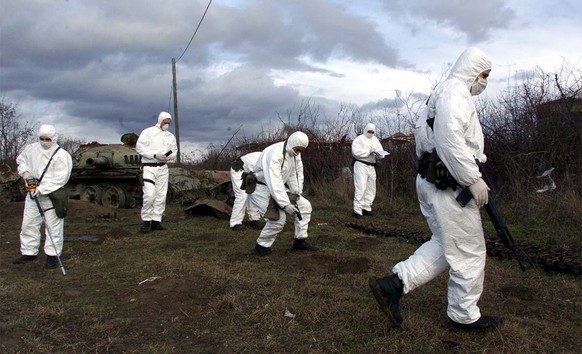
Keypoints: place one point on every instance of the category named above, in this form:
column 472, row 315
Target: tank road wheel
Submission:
column 92, row 193
column 116, row 197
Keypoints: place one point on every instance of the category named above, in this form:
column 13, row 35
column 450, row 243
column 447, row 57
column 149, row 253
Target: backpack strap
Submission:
column 48, row 164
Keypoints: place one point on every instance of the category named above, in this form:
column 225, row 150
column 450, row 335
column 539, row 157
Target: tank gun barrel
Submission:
column 98, row 161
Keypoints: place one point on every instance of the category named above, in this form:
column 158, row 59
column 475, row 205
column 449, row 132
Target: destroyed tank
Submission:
column 110, row 174
column 11, row 186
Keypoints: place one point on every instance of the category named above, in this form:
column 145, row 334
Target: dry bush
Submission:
column 537, row 125
column 14, row 134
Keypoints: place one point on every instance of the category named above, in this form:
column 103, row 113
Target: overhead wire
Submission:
column 188, row 46
column 197, row 27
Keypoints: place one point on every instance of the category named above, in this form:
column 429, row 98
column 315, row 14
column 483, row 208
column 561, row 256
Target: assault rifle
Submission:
column 500, row 226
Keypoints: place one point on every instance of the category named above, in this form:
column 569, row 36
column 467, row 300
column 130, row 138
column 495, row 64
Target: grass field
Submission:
column 212, row 294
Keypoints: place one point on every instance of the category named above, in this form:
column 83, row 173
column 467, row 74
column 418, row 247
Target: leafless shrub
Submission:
column 15, row 135
column 71, row 144
column 536, row 125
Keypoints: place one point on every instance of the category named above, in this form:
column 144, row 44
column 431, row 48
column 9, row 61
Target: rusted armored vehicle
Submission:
column 11, row 186
column 110, row 174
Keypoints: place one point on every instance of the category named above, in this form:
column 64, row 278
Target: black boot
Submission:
column 484, row 322
column 157, row 225
column 301, row 244
column 367, row 212
column 387, row 292
column 356, row 215
column 51, row 262
column 254, row 224
column 146, row 227
column 262, row 251
column 23, row 259
column 237, row 227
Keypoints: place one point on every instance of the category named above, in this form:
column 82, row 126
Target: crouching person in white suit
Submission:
column 242, row 202
column 278, row 166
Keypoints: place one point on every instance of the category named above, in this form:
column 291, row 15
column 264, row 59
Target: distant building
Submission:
column 558, row 133
column 559, row 118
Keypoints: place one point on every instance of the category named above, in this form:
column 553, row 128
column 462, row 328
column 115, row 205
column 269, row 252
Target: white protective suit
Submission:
column 272, row 180
column 457, row 241
column 364, row 174
column 153, row 141
column 241, row 201
column 31, row 163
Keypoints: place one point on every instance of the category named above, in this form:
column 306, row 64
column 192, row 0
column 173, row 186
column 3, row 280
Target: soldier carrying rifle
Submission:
column 448, row 140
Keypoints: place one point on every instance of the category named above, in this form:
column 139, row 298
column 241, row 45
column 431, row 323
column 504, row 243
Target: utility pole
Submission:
column 176, row 122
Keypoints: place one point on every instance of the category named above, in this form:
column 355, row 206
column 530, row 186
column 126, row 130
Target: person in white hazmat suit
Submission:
column 32, row 162
column 157, row 146
column 278, row 166
column 242, row 203
column 364, row 149
column 457, row 243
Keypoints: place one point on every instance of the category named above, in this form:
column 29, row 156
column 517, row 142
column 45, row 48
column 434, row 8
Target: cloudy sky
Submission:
column 98, row 69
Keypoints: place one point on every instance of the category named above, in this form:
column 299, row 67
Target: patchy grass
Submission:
column 213, row 295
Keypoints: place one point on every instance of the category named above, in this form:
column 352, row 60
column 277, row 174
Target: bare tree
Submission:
column 70, row 144
column 14, row 134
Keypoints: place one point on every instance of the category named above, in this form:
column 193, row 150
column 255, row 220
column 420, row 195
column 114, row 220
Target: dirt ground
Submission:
column 198, row 288
column 171, row 298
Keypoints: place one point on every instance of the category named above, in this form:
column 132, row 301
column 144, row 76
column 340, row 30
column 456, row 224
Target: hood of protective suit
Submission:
column 297, row 139
column 369, row 126
column 161, row 117
column 470, row 64
column 48, row 131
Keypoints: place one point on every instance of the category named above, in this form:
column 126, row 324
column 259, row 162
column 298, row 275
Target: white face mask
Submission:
column 46, row 144
column 478, row 86
column 165, row 127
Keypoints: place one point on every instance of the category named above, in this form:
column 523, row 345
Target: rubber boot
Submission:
column 387, row 292
column 484, row 322
column 146, row 227
column 300, row 244
column 262, row 251
column 51, row 262
column 157, row 225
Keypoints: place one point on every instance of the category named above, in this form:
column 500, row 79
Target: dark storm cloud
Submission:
column 278, row 34
column 245, row 96
column 110, row 61
column 474, row 18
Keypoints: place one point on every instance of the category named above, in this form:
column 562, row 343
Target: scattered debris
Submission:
column 210, row 207
column 551, row 185
column 148, row 280
column 289, row 314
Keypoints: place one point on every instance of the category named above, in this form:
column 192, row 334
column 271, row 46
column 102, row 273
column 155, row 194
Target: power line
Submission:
column 199, row 23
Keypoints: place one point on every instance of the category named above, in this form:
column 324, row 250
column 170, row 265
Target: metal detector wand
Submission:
column 48, row 234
